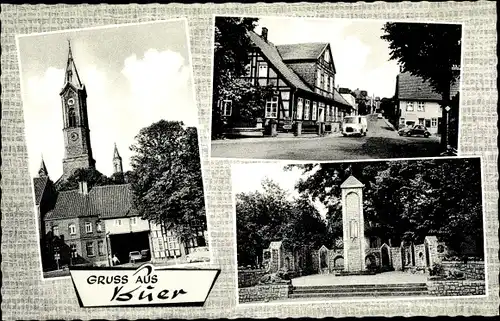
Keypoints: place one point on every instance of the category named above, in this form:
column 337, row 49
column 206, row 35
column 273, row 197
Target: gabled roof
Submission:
column 270, row 51
column 413, row 87
column 301, row 51
column 39, row 184
column 112, row 201
column 71, row 75
column 351, row 182
column 105, row 202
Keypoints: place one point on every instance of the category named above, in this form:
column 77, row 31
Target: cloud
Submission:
column 43, row 120
column 159, row 87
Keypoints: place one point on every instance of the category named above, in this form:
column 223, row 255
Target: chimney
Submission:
column 83, row 188
column 264, row 33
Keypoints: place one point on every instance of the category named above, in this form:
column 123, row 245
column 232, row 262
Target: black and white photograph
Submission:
column 313, row 232
column 334, row 89
column 111, row 131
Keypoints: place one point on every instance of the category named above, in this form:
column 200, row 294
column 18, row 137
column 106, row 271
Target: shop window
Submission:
column 300, row 103
column 272, row 108
column 306, row 110
column 314, row 111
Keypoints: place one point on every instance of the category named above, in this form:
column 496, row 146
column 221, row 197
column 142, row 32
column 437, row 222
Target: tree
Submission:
column 231, row 59
column 406, row 200
column 166, row 178
column 272, row 215
column 90, row 175
column 431, row 51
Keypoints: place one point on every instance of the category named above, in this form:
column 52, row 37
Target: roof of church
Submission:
column 269, row 50
column 105, row 202
column 71, row 75
column 301, row 51
column 414, row 87
column 351, row 182
column 115, row 152
column 39, row 184
column 43, row 169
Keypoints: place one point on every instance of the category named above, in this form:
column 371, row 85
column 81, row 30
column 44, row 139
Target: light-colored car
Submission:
column 199, row 254
column 134, row 256
column 380, row 116
column 354, row 125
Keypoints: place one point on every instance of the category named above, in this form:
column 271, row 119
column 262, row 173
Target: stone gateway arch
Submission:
column 360, row 254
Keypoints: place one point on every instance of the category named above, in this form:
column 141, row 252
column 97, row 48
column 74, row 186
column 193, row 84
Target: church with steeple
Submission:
column 89, row 224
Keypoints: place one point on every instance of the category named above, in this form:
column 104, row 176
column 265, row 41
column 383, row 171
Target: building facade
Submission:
column 302, row 77
column 418, row 103
column 350, row 97
column 89, row 225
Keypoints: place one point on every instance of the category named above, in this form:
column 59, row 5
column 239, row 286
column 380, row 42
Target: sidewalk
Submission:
column 280, row 137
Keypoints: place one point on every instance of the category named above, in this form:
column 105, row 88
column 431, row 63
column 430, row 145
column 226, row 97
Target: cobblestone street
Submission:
column 381, row 142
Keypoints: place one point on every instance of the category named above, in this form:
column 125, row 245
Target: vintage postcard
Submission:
column 359, row 231
column 334, row 89
column 111, row 131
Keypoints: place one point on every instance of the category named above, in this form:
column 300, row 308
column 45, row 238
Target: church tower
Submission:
column 117, row 162
column 78, row 151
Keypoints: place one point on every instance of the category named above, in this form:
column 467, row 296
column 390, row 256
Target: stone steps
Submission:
column 405, row 289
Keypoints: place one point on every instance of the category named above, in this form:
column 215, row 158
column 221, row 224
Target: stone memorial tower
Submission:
column 353, row 224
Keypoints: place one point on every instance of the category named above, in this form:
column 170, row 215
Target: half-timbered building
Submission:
column 302, row 77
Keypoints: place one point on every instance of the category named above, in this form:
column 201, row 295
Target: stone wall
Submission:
column 471, row 270
column 264, row 293
column 248, row 278
column 397, row 262
column 456, row 287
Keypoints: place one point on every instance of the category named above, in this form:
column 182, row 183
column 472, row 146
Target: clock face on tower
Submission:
column 71, row 102
column 73, row 136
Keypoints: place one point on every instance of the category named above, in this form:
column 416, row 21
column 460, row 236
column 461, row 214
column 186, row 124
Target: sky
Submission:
column 361, row 58
column 134, row 75
column 248, row 178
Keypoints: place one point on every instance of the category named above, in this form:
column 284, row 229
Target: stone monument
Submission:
column 353, row 225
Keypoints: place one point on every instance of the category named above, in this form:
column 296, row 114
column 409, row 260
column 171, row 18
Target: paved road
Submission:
column 381, row 142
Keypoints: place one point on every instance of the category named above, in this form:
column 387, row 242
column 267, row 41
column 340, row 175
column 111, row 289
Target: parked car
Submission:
column 354, row 125
column 134, row 256
column 146, row 255
column 199, row 254
column 379, row 116
column 415, row 130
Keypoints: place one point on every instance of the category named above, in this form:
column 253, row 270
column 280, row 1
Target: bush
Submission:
column 436, row 270
column 275, row 278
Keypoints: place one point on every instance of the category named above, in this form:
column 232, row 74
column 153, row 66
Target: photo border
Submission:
column 212, row 51
column 340, row 300
column 197, row 126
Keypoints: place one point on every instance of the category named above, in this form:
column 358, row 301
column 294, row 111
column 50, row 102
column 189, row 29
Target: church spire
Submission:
column 42, row 172
column 117, row 161
column 71, row 72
